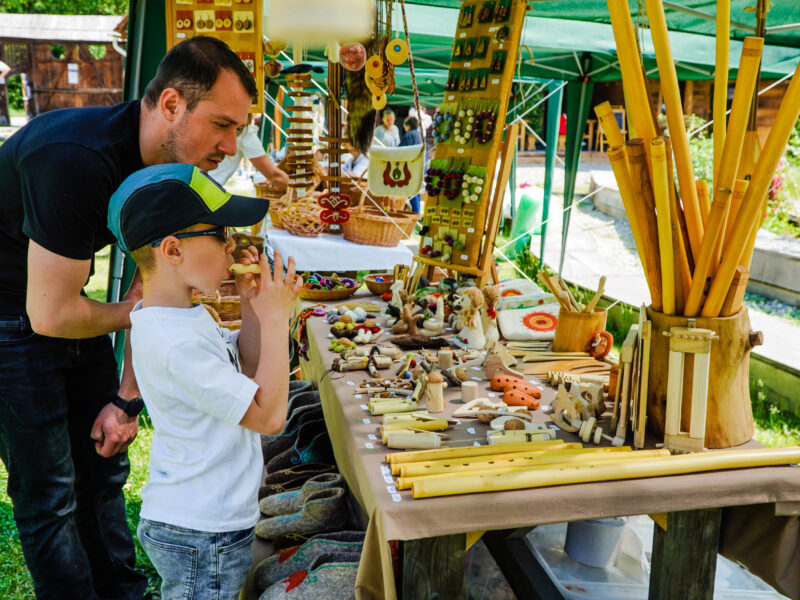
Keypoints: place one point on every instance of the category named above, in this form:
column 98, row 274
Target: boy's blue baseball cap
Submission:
column 156, row 201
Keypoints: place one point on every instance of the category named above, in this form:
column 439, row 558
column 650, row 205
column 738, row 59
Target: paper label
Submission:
column 464, row 257
column 461, row 151
column 350, row 383
column 388, row 479
column 492, row 394
column 358, row 396
column 471, row 430
column 471, row 230
column 476, row 443
column 391, row 489
column 366, row 421
column 495, row 81
column 364, row 407
column 476, row 368
column 386, row 470
column 467, row 64
column 372, row 436
column 369, row 445
column 451, row 97
column 476, row 378
column 396, row 497
column 462, row 35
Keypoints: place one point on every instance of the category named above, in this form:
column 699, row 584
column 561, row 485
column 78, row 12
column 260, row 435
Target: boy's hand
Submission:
column 276, row 294
column 245, row 282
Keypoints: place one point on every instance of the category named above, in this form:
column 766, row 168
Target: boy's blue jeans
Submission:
column 68, row 502
column 197, row 565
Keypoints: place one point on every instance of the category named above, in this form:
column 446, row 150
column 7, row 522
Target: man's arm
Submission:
column 54, row 302
column 269, row 170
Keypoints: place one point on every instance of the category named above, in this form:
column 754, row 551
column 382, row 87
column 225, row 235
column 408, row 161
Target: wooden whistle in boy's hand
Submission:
column 240, row 269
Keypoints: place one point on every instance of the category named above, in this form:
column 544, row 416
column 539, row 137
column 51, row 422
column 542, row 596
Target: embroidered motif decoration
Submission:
column 295, row 579
column 334, row 201
column 394, row 177
column 286, row 554
column 540, row 321
column 334, row 217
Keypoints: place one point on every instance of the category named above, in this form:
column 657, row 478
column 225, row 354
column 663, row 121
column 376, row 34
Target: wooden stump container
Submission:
column 729, row 418
column 574, row 329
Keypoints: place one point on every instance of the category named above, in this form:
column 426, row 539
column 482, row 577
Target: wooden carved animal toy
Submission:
column 396, row 303
column 468, row 304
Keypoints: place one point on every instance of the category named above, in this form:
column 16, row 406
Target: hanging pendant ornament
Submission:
column 272, row 68
column 353, row 56
column 374, row 66
column 379, row 102
column 334, row 217
column 397, row 51
column 273, row 48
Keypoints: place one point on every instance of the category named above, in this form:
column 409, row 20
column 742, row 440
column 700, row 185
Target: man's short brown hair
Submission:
column 193, row 66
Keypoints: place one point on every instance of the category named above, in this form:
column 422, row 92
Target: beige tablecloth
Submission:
column 751, row 534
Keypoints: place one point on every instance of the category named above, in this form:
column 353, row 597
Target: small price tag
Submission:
column 495, row 81
column 364, row 407
column 451, row 97
column 476, row 368
column 462, row 35
column 358, row 396
column 545, row 407
column 553, row 426
column 391, row 489
column 471, row 230
column 461, row 151
column 350, row 383
column 471, row 430
column 467, row 64
column 476, row 443
column 181, row 36
column 492, row 394
column 369, row 445
column 500, row 46
column 386, row 470
column 464, row 257
column 396, row 497
column 476, row 378
column 366, row 421
column 388, row 479
column 372, row 436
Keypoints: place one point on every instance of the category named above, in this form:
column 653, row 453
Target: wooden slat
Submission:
column 299, row 120
column 333, row 151
column 299, row 108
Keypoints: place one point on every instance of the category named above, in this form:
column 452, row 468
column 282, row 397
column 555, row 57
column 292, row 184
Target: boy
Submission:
column 199, row 507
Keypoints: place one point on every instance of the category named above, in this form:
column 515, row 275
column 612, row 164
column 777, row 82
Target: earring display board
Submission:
column 236, row 22
column 468, row 130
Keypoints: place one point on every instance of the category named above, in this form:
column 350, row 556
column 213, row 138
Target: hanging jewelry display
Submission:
column 334, row 203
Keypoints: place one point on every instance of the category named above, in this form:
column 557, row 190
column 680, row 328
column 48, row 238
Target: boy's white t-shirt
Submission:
column 205, row 468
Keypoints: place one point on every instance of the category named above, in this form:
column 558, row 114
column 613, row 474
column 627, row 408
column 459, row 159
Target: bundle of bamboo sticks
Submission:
column 695, row 243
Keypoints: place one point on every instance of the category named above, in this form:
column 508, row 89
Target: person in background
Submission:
column 248, row 145
column 426, row 118
column 387, row 133
column 412, row 137
column 354, row 164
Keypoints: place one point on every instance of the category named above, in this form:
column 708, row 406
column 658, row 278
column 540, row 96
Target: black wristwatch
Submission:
column 131, row 407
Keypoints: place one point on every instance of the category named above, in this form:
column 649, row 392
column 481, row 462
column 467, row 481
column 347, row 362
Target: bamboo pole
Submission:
column 622, row 172
column 747, row 255
column 405, row 483
column 646, row 215
column 703, row 199
column 608, row 122
column 680, row 249
column 470, row 451
column 658, row 158
column 750, row 213
column 739, row 188
column 632, row 79
column 722, row 61
column 654, row 467
column 677, row 127
column 503, row 460
column 733, row 301
column 723, row 186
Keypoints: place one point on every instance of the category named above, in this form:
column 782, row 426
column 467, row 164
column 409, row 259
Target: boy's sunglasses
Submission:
column 222, row 233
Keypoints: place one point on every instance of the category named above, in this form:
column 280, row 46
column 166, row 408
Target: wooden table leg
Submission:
column 684, row 560
column 433, row 568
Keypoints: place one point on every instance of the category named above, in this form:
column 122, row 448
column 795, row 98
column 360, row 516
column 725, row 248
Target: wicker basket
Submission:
column 379, row 287
column 301, row 216
column 324, row 295
column 387, row 203
column 371, row 227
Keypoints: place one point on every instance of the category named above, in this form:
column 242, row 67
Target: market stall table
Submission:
column 333, row 253
column 434, row 531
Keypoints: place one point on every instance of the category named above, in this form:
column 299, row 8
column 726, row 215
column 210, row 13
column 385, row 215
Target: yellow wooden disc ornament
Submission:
column 397, row 51
column 374, row 66
column 379, row 102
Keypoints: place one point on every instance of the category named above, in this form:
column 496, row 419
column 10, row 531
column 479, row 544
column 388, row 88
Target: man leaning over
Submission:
column 65, row 420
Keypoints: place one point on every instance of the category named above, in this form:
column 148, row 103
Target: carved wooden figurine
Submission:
column 468, row 304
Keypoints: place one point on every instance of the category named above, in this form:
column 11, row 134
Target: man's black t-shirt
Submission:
column 56, row 177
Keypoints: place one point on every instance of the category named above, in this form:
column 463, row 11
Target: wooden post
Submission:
column 434, row 567
column 684, row 559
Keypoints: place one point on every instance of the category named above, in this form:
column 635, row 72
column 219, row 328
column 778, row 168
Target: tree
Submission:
column 65, row 7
